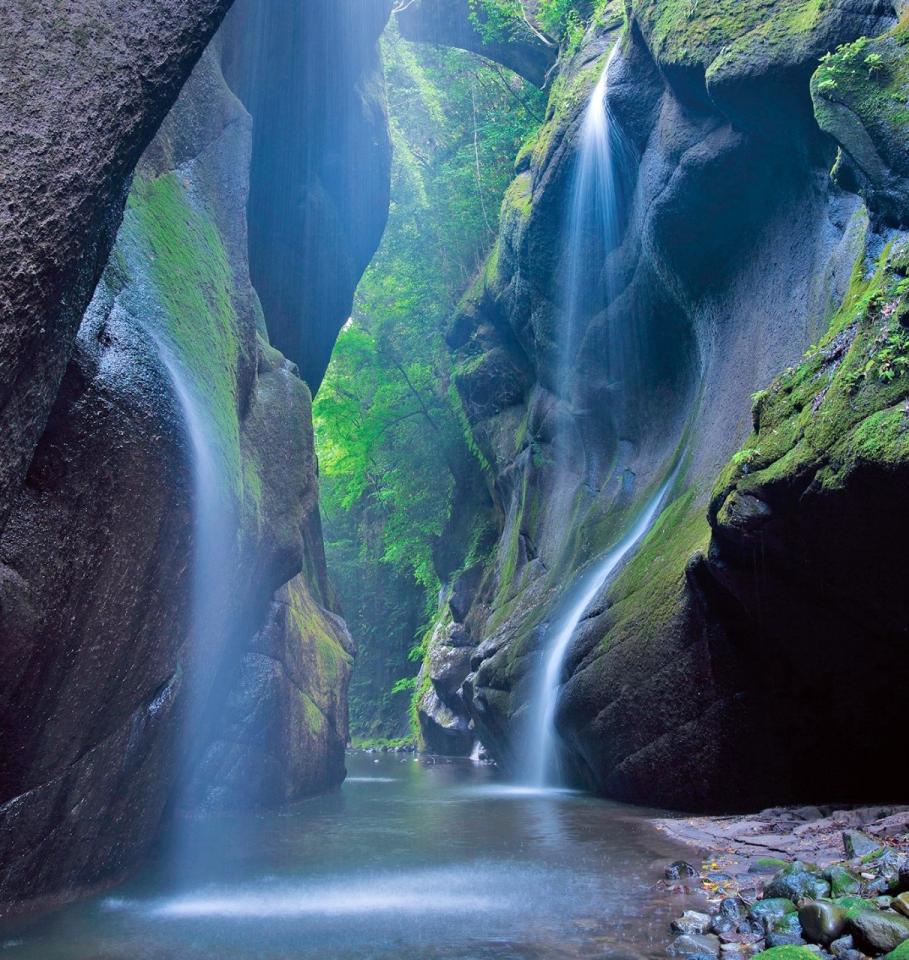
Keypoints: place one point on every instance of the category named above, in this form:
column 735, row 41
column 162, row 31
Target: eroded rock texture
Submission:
column 117, row 705
column 737, row 250
column 84, row 90
column 454, row 23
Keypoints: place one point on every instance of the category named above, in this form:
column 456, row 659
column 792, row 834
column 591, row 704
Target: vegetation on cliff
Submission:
column 395, row 453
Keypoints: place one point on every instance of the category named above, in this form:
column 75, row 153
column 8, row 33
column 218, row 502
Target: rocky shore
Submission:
column 810, row 883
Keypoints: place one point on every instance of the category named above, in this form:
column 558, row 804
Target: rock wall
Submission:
column 737, row 251
column 85, row 89
column 110, row 719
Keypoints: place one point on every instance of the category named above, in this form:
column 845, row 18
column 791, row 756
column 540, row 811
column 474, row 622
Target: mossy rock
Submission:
column 772, row 907
column 788, row 953
column 843, row 882
column 900, row 953
column 798, row 881
column 860, row 99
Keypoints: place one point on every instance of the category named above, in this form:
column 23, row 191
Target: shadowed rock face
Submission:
column 737, row 253
column 84, row 93
column 321, row 168
column 96, row 563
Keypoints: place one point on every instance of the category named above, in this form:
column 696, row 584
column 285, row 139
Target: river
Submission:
column 411, row 859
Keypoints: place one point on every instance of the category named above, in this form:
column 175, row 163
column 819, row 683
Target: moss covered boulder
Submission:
column 861, row 98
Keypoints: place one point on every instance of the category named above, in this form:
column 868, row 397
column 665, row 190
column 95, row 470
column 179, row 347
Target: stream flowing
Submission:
column 543, row 746
column 411, row 860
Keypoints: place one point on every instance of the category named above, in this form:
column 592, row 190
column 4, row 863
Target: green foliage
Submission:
column 870, row 78
column 392, row 442
column 554, row 21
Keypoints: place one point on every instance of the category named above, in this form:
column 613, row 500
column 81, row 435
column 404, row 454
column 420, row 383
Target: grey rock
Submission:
column 858, row 844
column 692, row 922
column 796, row 882
column 694, row 947
column 879, row 931
column 681, row 870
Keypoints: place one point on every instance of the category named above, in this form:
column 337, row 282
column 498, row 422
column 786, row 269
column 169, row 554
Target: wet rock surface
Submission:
column 744, row 888
column 66, row 157
column 97, row 559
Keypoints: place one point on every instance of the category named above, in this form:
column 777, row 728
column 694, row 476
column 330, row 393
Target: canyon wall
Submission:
column 718, row 669
column 117, row 709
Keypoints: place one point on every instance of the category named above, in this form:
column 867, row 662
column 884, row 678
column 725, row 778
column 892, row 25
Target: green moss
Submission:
column 788, row 953
column 328, row 657
column 647, row 592
column 694, row 33
column 519, row 198
column 845, row 404
column 870, row 77
column 183, row 256
column 901, row 952
column 315, row 719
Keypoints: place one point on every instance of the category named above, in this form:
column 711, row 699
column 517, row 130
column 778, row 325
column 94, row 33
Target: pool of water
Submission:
column 412, row 860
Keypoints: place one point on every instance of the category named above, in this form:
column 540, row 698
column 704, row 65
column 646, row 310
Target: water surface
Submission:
column 411, row 860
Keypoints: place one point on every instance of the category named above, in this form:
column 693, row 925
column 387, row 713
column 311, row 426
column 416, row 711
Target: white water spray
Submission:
column 594, row 224
column 544, row 741
column 213, row 544
column 594, row 221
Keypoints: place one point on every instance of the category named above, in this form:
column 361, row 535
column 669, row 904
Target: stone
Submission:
column 772, row 908
column 900, row 903
column 784, row 940
column 844, row 949
column 692, row 922
column 822, row 922
column 879, row 931
column 858, row 844
column 695, row 947
column 843, row 882
column 680, row 870
column 798, row 881
column 734, row 907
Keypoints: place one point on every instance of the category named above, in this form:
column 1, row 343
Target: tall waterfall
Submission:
column 593, row 226
column 214, row 544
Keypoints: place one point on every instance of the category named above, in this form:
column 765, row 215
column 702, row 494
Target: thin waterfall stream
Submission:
column 593, row 222
column 213, row 541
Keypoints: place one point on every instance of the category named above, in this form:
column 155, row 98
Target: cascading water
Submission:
column 594, row 224
column 543, row 766
column 214, row 538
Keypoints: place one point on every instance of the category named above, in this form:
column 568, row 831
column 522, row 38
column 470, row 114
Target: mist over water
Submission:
column 409, row 861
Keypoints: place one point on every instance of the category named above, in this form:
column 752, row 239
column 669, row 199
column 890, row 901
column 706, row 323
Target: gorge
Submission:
column 519, row 380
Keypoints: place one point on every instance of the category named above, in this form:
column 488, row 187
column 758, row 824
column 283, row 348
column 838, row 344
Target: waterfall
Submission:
column 593, row 223
column 593, row 226
column 543, row 744
column 214, row 543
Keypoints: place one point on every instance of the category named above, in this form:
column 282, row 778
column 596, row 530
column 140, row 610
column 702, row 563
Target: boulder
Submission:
column 695, row 947
column 797, row 882
column 879, row 931
column 858, row 844
column 822, row 922
column 692, row 922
